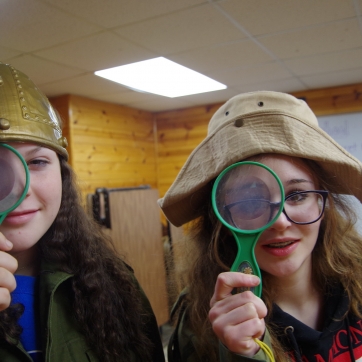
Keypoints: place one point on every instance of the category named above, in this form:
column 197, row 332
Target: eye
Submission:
column 248, row 209
column 37, row 162
column 298, row 197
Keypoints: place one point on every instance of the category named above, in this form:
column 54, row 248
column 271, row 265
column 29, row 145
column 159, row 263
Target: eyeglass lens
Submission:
column 304, row 207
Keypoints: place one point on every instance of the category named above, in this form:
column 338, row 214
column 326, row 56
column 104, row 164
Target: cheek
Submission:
column 311, row 233
column 49, row 190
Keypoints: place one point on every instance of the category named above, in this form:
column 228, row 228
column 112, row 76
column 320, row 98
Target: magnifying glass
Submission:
column 14, row 180
column 247, row 198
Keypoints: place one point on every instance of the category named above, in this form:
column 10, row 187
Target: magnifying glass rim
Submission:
column 27, row 178
column 216, row 184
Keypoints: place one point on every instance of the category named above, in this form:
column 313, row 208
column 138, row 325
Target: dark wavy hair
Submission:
column 107, row 300
column 213, row 251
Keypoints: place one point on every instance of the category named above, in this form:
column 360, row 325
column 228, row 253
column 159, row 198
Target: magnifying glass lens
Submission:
column 12, row 179
column 248, row 197
column 7, row 179
column 249, row 209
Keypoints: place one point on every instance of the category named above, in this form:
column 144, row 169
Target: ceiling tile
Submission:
column 247, row 45
column 113, row 13
column 341, row 35
column 210, row 97
column 40, row 70
column 97, row 52
column 264, row 17
column 287, row 85
column 6, row 53
column 30, row 25
column 189, row 29
column 252, row 74
column 328, row 62
column 221, row 56
column 85, row 85
column 333, row 79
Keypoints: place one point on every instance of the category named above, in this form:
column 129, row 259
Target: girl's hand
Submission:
column 8, row 266
column 237, row 319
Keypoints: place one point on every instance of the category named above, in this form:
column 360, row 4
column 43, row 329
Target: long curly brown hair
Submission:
column 103, row 285
column 214, row 249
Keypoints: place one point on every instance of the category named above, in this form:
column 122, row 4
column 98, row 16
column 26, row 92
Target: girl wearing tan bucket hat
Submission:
column 64, row 293
column 310, row 257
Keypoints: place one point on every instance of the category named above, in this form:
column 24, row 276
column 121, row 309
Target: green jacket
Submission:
column 62, row 339
column 183, row 344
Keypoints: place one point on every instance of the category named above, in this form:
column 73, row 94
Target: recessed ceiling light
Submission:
column 161, row 76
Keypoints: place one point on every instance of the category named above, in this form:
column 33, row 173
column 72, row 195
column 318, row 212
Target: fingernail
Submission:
column 9, row 243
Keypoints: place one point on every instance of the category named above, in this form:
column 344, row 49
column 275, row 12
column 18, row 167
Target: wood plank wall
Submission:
column 116, row 146
column 178, row 133
column 334, row 100
column 111, row 145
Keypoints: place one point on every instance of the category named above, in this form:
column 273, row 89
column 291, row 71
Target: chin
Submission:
column 281, row 272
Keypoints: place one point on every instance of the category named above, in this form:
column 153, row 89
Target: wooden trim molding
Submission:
column 334, row 100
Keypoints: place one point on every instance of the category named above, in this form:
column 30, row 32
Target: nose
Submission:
column 281, row 222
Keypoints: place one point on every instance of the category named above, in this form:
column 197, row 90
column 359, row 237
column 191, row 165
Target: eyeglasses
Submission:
column 300, row 207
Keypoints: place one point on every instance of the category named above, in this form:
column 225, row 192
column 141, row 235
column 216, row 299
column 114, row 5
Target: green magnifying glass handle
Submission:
column 243, row 198
column 2, row 217
column 245, row 261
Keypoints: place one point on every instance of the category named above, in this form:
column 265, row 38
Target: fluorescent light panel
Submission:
column 161, row 76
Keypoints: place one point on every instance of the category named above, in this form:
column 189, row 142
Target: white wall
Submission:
column 346, row 129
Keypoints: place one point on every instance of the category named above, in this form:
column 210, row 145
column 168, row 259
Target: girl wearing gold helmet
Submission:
column 71, row 298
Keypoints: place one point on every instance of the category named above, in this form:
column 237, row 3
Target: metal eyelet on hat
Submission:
column 260, row 104
column 226, row 113
column 239, row 123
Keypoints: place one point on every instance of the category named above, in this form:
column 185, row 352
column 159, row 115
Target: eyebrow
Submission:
column 298, row 181
column 34, row 150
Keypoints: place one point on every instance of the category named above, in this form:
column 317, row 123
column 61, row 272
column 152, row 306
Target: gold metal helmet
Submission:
column 26, row 114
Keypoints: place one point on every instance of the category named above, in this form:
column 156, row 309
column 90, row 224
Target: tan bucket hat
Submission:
column 26, row 114
column 250, row 124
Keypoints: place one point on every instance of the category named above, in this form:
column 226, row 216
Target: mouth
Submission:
column 280, row 245
column 19, row 218
column 16, row 214
column 21, row 213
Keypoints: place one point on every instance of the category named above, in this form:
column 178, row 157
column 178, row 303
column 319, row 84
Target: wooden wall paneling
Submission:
column 334, row 100
column 112, row 145
column 178, row 133
column 136, row 231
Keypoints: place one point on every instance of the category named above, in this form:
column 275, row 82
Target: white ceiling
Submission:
column 282, row 45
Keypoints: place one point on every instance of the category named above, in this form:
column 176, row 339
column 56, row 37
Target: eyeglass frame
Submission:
column 274, row 205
